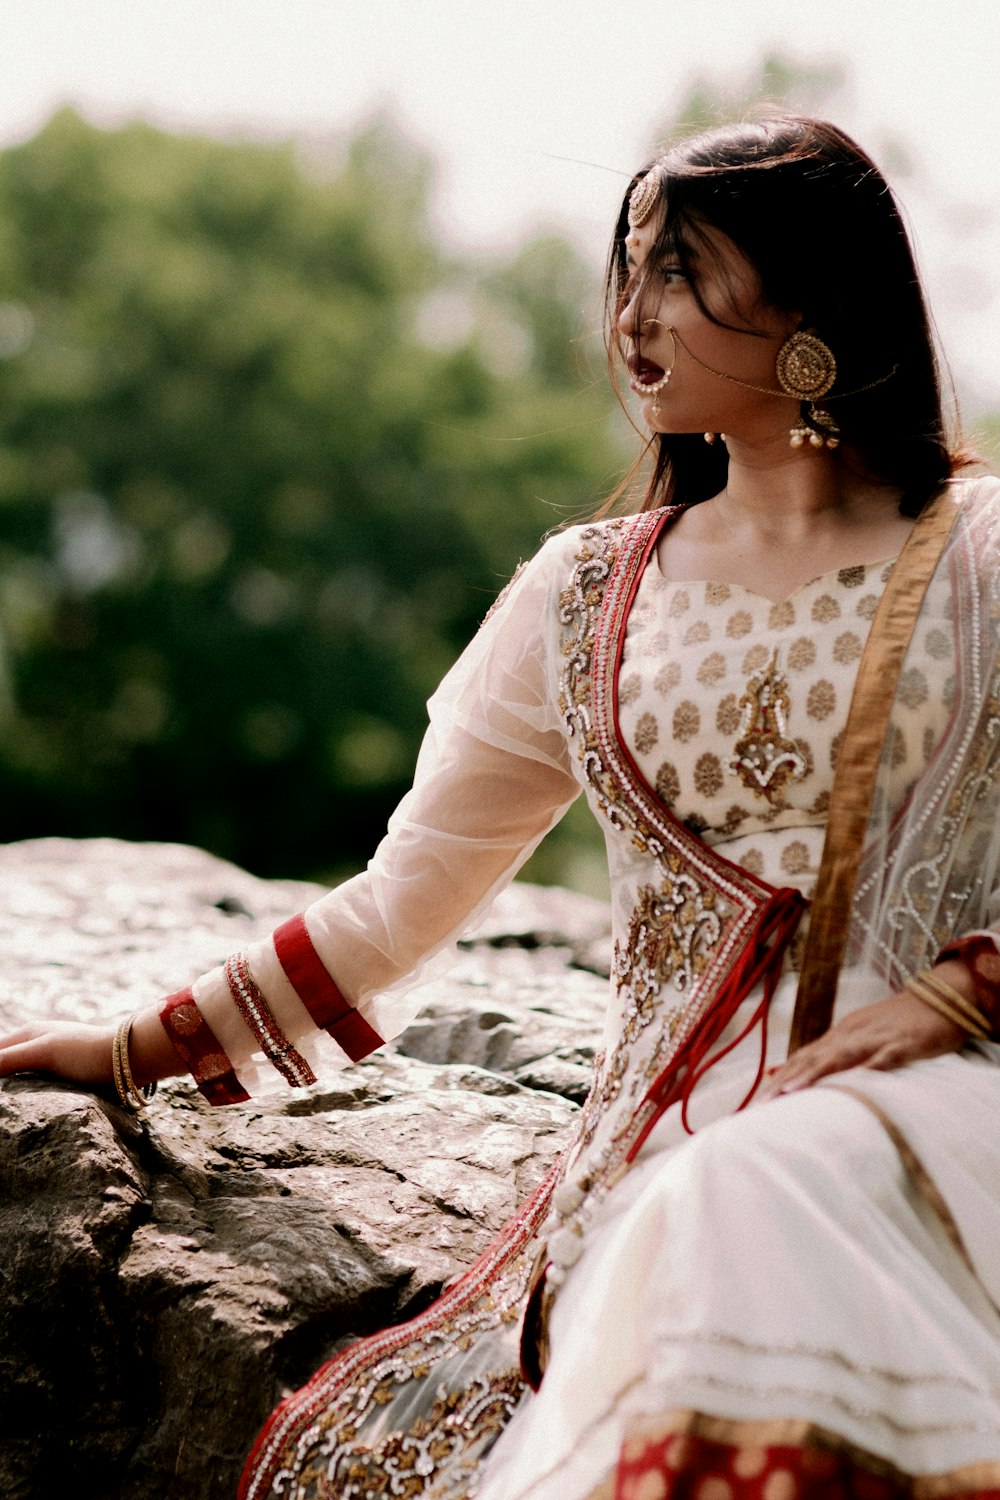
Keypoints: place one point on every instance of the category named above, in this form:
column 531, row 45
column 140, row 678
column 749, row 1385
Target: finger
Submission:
column 781, row 1083
column 779, row 1077
column 820, row 1061
column 31, row 1056
column 893, row 1055
column 23, row 1034
column 799, row 1071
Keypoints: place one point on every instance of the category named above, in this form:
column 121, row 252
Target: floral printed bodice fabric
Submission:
column 733, row 707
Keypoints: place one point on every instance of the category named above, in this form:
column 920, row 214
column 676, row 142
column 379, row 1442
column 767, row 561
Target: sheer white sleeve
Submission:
column 493, row 776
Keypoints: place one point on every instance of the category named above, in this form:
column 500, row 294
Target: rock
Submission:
column 166, row 1279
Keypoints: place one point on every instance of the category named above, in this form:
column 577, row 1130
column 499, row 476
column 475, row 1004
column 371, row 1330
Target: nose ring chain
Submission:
column 654, row 389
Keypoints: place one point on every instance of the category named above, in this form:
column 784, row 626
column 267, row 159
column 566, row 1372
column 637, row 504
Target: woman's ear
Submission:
column 791, row 320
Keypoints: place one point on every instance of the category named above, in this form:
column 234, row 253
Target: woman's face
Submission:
column 659, row 297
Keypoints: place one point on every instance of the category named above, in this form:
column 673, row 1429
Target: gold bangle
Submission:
column 976, row 1018
column 955, row 997
column 129, row 1093
column 936, row 1002
column 933, row 997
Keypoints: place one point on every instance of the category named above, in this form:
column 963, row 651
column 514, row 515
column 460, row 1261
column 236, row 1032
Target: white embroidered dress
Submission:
column 787, row 1264
column 782, row 1270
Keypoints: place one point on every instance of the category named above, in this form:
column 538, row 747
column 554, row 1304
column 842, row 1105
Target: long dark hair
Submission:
column 818, row 221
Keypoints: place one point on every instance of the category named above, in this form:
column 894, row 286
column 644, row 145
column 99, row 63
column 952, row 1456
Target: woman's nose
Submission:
column 627, row 318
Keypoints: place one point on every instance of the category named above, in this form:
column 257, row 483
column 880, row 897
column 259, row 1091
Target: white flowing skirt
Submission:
column 830, row 1258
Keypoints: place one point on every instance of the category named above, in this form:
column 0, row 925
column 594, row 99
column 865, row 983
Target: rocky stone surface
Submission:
column 164, row 1280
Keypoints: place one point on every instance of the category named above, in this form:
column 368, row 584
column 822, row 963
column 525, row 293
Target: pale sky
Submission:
column 497, row 90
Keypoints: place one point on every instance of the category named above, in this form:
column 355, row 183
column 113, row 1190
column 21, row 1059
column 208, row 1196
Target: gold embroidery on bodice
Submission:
column 764, row 758
column 735, row 740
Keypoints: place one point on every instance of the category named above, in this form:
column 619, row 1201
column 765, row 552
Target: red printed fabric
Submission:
column 199, row 1049
column 319, row 994
column 679, row 1466
column 978, row 952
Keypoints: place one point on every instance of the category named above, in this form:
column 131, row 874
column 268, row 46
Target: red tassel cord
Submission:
column 759, row 963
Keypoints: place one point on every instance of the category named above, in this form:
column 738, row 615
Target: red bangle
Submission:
column 319, row 994
column 978, row 953
column 199, row 1049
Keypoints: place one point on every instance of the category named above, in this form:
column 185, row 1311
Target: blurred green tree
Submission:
column 266, row 455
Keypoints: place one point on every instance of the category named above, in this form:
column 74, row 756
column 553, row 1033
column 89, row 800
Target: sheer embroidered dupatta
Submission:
column 929, row 872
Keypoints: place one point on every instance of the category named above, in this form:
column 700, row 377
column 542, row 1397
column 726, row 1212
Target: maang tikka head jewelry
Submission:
column 642, row 203
column 643, row 199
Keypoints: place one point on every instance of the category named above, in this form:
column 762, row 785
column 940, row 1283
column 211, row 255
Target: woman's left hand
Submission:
column 886, row 1035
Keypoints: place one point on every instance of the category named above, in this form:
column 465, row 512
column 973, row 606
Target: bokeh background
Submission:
column 299, row 354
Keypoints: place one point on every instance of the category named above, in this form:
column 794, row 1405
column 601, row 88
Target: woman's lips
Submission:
column 644, row 372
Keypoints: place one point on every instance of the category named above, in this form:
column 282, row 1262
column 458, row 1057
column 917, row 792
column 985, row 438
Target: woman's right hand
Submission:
column 69, row 1050
column 82, row 1054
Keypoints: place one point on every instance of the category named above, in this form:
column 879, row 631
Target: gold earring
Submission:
column 817, row 427
column 805, row 367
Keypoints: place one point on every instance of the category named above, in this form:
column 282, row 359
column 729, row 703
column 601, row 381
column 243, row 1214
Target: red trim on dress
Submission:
column 760, row 963
column 419, row 1341
column 318, row 992
column 200, row 1050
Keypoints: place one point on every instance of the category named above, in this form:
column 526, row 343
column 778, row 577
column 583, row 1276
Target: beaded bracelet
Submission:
column 950, row 1003
column 259, row 1017
column 129, row 1093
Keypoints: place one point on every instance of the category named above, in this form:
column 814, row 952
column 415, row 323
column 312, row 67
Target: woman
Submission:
column 777, row 684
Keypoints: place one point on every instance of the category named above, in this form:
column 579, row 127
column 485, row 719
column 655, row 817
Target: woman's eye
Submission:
column 672, row 275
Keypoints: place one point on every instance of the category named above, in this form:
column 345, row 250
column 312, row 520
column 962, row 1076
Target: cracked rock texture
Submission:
column 163, row 1281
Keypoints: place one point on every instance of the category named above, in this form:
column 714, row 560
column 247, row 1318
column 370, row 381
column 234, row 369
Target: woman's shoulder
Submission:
column 975, row 492
column 974, row 543
column 602, row 536
column 568, row 552
column 977, row 497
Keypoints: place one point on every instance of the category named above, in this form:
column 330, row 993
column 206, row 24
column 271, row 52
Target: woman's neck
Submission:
column 784, row 518
column 775, row 491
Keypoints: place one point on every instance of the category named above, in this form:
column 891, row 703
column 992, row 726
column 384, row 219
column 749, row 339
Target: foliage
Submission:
column 265, row 457
column 775, row 81
column 985, row 440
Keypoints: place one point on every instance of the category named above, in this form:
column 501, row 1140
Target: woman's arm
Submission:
column 493, row 776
